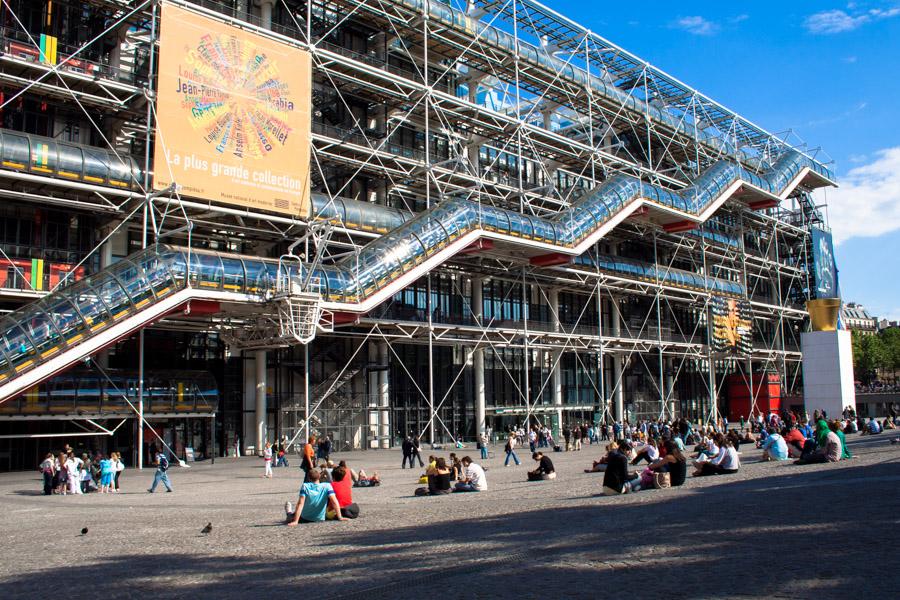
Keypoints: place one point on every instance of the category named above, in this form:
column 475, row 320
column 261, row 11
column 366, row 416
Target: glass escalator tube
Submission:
column 234, row 276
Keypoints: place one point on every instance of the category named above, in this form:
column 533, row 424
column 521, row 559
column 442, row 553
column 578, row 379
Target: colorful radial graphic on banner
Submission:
column 236, row 99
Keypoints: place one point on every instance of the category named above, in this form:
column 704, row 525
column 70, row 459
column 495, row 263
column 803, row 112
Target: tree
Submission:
column 869, row 355
column 891, row 340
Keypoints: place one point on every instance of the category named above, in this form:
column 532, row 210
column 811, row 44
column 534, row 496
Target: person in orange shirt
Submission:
column 309, row 457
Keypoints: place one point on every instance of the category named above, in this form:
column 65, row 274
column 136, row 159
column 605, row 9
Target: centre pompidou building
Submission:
column 230, row 222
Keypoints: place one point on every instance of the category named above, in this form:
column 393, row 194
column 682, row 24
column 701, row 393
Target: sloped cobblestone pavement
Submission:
column 773, row 530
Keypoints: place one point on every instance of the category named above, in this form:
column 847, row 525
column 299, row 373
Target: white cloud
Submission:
column 739, row 18
column 696, row 25
column 868, row 202
column 849, row 60
column 838, row 21
column 833, row 21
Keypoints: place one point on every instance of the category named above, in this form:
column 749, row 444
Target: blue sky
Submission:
column 829, row 71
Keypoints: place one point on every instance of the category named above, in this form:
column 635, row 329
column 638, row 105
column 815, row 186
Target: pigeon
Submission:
column 206, row 529
column 84, row 530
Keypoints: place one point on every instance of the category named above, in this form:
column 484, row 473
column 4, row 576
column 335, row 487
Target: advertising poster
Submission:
column 732, row 326
column 233, row 115
column 824, row 264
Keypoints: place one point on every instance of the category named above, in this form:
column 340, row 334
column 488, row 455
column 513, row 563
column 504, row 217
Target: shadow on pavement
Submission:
column 762, row 537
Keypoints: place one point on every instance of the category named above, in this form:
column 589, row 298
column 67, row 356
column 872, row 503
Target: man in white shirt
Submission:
column 475, row 480
column 73, row 468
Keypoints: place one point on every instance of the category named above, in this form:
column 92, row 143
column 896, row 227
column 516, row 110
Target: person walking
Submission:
column 308, row 461
column 417, row 446
column 162, row 473
column 326, row 448
column 483, row 446
column 510, row 449
column 267, row 458
column 407, row 448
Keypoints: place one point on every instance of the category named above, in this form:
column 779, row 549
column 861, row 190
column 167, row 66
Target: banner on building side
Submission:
column 825, row 276
column 233, row 115
column 732, row 326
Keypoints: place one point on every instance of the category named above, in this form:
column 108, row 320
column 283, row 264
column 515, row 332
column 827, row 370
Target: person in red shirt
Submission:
column 795, row 441
column 343, row 490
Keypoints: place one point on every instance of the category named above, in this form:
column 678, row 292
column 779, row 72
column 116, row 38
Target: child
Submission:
column 107, row 472
column 267, row 456
column 118, row 467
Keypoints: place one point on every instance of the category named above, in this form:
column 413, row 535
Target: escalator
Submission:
column 49, row 335
column 68, row 325
column 359, row 282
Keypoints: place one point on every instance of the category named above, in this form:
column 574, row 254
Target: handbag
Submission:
column 662, row 481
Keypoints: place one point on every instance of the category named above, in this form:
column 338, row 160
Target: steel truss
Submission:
column 448, row 114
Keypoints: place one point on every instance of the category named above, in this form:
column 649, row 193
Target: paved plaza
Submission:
column 773, row 530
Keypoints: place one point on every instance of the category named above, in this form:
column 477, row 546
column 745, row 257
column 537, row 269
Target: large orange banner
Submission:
column 233, row 115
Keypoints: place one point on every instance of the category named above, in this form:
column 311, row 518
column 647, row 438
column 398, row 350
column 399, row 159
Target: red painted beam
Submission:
column 478, row 246
column 549, row 260
column 202, row 307
column 639, row 212
column 680, row 226
column 767, row 203
column 343, row 318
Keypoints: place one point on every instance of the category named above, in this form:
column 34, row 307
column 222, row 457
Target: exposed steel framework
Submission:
column 425, row 111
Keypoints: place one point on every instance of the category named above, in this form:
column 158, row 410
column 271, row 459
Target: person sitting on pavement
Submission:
column 829, row 451
column 360, row 478
column 795, row 441
column 774, row 448
column 838, row 431
column 647, row 452
column 674, row 463
column 709, row 447
column 456, row 467
column 873, row 427
column 342, row 484
column 735, row 439
column 313, row 501
column 439, row 478
column 474, row 479
column 616, row 477
column 544, row 470
column 599, row 466
column 726, row 461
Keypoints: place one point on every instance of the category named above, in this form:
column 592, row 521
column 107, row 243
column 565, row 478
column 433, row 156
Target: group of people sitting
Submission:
column 358, row 478
column 327, row 494
column 667, row 466
column 460, row 475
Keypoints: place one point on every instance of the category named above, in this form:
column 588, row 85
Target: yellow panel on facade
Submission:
column 233, row 115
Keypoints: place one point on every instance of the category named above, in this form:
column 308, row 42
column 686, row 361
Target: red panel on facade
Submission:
column 766, row 391
column 768, row 203
column 549, row 260
column 202, row 307
column 342, row 318
column 478, row 246
column 679, row 226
